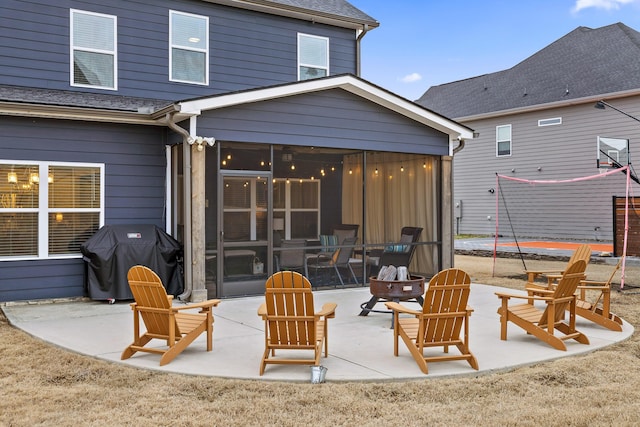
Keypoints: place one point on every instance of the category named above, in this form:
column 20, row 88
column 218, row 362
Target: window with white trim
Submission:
column 313, row 56
column 503, row 140
column 47, row 209
column 93, row 50
column 550, row 122
column 188, row 48
column 298, row 202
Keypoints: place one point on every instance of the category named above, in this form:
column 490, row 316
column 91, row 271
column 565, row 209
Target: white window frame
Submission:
column 498, row 140
column 288, row 209
column 44, row 210
column 303, row 64
column 554, row 121
column 73, row 48
column 204, row 50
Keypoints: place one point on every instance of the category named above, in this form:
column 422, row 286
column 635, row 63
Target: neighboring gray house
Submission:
column 537, row 121
column 222, row 122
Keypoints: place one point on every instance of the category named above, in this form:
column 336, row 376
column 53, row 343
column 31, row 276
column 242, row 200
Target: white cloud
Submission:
column 411, row 78
column 600, row 4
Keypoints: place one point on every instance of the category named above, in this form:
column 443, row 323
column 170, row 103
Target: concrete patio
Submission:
column 360, row 348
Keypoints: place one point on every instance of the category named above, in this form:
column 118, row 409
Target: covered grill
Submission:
column 114, row 249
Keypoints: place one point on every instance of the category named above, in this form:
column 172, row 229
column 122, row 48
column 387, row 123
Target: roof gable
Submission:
column 584, row 63
column 346, row 82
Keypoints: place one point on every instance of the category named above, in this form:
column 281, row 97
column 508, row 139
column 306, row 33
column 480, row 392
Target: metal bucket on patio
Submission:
column 318, row 374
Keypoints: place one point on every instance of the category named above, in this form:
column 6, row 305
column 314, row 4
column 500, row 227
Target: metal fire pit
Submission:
column 393, row 290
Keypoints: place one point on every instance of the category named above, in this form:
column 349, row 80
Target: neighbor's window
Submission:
column 550, row 122
column 93, row 50
column 503, row 140
column 48, row 209
column 189, row 48
column 313, row 57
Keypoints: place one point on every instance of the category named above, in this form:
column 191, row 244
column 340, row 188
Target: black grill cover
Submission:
column 114, row 249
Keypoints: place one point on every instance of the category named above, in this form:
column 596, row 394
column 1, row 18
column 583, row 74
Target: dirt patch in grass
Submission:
column 44, row 385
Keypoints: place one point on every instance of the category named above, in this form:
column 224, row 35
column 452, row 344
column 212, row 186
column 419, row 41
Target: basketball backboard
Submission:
column 612, row 152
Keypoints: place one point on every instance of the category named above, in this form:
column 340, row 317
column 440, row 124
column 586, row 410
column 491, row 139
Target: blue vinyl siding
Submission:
column 247, row 49
column 29, row 280
column 134, row 158
column 334, row 118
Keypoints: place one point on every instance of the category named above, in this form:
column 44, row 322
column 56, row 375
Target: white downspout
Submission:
column 365, row 30
column 186, row 179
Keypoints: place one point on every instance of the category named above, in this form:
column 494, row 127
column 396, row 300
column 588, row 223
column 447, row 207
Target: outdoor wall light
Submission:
column 491, row 190
column 201, row 142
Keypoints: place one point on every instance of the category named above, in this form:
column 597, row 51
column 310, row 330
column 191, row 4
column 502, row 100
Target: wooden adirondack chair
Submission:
column 439, row 324
column 543, row 323
column 598, row 310
column 593, row 302
column 290, row 322
column 583, row 252
column 162, row 320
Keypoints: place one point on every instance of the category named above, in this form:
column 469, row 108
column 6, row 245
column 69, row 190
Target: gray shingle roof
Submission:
column 67, row 98
column 338, row 8
column 586, row 62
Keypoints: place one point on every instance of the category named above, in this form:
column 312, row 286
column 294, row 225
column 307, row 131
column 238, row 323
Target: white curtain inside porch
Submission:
column 401, row 190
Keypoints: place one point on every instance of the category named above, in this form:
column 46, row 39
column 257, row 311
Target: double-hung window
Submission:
column 47, row 210
column 503, row 140
column 313, row 57
column 298, row 202
column 189, row 48
column 93, row 50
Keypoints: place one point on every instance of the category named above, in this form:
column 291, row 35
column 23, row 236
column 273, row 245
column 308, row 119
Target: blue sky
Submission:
column 422, row 43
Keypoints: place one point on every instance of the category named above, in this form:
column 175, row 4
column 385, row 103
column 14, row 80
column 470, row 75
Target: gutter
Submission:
column 548, row 105
column 22, row 109
column 297, row 12
column 188, row 273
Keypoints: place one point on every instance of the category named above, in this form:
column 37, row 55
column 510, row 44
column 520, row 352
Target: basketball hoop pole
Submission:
column 601, row 106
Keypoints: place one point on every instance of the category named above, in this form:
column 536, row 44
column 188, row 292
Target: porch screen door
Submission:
column 244, row 238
